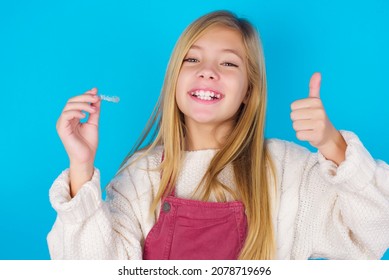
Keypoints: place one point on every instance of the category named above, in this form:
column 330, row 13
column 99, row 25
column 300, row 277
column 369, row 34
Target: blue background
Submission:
column 53, row 50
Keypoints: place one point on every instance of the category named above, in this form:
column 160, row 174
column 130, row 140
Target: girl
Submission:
column 209, row 186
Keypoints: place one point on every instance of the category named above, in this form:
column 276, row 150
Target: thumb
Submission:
column 314, row 85
column 94, row 117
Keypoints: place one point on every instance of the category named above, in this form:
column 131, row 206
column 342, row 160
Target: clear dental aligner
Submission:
column 114, row 99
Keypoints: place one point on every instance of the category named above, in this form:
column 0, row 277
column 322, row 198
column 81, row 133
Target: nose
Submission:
column 209, row 73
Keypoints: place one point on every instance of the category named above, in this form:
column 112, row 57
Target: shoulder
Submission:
column 281, row 150
column 138, row 175
column 290, row 160
column 143, row 159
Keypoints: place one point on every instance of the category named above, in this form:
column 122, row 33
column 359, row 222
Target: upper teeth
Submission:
column 205, row 94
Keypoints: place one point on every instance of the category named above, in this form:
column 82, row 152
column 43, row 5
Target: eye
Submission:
column 229, row 64
column 190, row 59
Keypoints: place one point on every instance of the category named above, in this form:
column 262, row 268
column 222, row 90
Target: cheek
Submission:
column 180, row 90
column 238, row 80
column 181, row 82
column 244, row 86
column 241, row 87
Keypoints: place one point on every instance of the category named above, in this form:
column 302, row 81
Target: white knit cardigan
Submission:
column 319, row 209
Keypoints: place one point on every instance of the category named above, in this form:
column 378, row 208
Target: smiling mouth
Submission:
column 206, row 95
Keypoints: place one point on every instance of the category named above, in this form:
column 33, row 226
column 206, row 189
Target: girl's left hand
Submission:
column 311, row 124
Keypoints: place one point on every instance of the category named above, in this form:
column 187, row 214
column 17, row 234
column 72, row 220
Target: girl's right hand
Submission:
column 80, row 139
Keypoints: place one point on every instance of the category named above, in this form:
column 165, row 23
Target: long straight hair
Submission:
column 245, row 147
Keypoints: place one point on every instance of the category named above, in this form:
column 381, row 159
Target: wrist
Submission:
column 335, row 148
column 79, row 174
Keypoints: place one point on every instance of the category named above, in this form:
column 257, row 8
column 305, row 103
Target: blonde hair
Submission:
column 245, row 148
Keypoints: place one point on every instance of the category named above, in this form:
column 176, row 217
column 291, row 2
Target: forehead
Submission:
column 220, row 37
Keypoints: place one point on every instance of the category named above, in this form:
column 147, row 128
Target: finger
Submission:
column 95, row 98
column 310, row 136
column 314, row 85
column 84, row 98
column 72, row 114
column 93, row 91
column 306, row 103
column 80, row 106
column 66, row 118
column 308, row 114
column 302, row 125
column 305, row 135
column 94, row 117
column 302, row 114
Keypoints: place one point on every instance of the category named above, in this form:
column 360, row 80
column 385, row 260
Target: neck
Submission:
column 206, row 136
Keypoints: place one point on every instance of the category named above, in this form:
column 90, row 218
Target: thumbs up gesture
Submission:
column 311, row 124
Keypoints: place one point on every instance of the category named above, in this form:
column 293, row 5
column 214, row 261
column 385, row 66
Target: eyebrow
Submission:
column 223, row 50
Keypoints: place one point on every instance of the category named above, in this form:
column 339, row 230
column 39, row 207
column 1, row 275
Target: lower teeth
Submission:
column 212, row 98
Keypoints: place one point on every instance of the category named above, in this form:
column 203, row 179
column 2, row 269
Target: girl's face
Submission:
column 213, row 82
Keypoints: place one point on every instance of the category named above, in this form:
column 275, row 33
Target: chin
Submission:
column 206, row 120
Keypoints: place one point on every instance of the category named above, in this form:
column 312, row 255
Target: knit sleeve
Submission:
column 88, row 227
column 343, row 211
